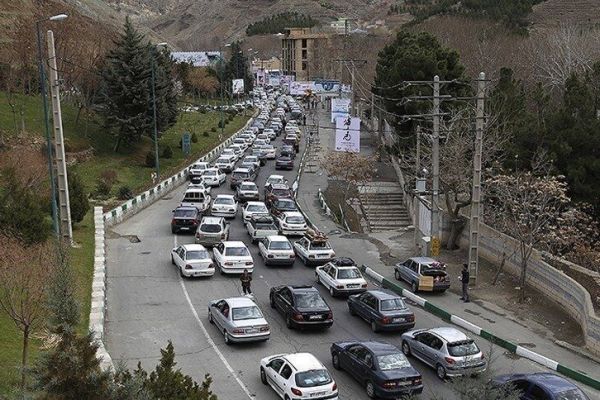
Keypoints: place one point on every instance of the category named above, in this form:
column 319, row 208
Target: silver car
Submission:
column 239, row 320
column 212, row 230
column 448, row 350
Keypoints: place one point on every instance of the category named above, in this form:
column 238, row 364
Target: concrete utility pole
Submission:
column 66, row 229
column 435, row 193
column 476, row 195
column 353, row 73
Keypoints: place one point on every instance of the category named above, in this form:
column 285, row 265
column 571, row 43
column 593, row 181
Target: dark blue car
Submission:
column 384, row 310
column 380, row 367
column 541, row 386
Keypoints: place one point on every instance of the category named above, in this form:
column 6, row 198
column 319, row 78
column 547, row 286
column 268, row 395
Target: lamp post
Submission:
column 42, row 78
column 153, row 62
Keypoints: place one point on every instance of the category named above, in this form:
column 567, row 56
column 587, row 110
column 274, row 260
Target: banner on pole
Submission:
column 238, row 86
column 339, row 108
column 347, row 134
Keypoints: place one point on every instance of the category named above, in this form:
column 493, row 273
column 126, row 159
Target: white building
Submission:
column 197, row 58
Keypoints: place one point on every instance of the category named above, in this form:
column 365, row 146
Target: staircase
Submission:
column 383, row 206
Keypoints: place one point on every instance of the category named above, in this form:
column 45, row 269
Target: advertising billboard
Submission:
column 238, row 86
column 347, row 134
column 339, row 108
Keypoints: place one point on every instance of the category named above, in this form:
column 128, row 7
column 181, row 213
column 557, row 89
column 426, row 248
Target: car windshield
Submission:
column 287, row 204
column 348, row 273
column 210, row 173
column 237, row 251
column 461, row 349
column 241, row 313
column 210, row 228
column 320, row 245
column 280, row 245
column 196, row 255
column 257, row 208
column 392, row 361
column 571, row 394
column 294, row 220
column 224, row 200
column 392, row 304
column 312, row 378
column 247, row 187
column 184, row 213
column 274, row 180
column 223, row 160
column 310, row 300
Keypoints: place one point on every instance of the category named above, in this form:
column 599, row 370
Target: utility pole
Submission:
column 66, row 229
column 353, row 101
column 418, row 158
column 154, row 120
column 373, row 110
column 353, row 73
column 476, row 195
column 435, row 193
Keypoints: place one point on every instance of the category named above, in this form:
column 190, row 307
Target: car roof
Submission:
column 248, row 183
column 192, row 246
column 224, row 196
column 280, row 186
column 186, row 208
column 548, row 380
column 383, row 295
column 293, row 214
column 233, row 243
column 211, row 220
column 255, row 203
column 277, row 238
column 194, row 189
column 379, row 348
column 423, row 260
column 303, row 361
column 449, row 334
column 240, row 301
column 241, row 170
column 212, row 169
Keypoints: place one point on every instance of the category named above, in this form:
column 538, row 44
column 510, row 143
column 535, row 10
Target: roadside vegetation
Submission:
column 279, row 22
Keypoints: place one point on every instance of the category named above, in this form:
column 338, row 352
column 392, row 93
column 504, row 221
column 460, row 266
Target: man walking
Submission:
column 464, row 278
column 246, row 278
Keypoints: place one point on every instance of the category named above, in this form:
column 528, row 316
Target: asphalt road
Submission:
column 149, row 304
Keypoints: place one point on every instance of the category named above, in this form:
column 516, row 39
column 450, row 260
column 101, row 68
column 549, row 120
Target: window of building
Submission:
column 304, row 42
column 304, row 65
column 304, row 54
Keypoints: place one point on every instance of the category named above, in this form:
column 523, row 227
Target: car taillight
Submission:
column 417, row 381
column 297, row 317
column 364, row 285
column 332, row 254
column 264, row 328
column 223, row 235
column 270, row 256
column 311, row 256
column 238, row 331
column 482, row 356
column 229, row 264
column 211, row 266
column 296, row 392
column 292, row 256
column 410, row 318
column 248, row 262
column 339, row 286
column 334, row 387
column 194, row 222
column 330, row 315
column 389, row 384
column 173, row 221
column 188, row 266
column 449, row 360
column 386, row 320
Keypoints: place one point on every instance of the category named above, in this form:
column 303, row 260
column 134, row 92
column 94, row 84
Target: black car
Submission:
column 380, row 367
column 185, row 219
column 382, row 309
column 284, row 161
column 301, row 306
column 282, row 205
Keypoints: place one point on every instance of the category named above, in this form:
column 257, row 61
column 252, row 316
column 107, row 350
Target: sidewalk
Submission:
column 381, row 250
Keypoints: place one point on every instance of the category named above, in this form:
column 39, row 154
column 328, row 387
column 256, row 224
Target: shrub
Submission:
column 206, row 134
column 78, row 198
column 222, row 124
column 167, row 152
column 109, row 176
column 150, row 160
column 194, row 138
column 103, row 187
column 213, row 129
column 125, row 193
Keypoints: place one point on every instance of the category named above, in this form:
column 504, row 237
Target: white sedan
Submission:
column 213, row 177
column 291, row 223
column 202, row 186
column 253, row 208
column 341, row 276
column 224, row 205
column 192, row 260
column 233, row 257
column 270, row 152
column 298, row 376
column 276, row 250
column 275, row 179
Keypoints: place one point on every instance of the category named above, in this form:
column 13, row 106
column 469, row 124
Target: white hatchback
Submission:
column 233, row 257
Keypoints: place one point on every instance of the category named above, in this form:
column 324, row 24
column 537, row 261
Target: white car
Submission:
column 253, row 208
column 314, row 252
column 240, row 141
column 270, row 133
column 225, row 163
column 238, row 149
column 270, row 152
column 192, row 260
column 259, row 143
column 252, row 159
column 233, row 257
column 224, row 205
column 298, row 376
column 275, row 179
column 247, row 191
column 264, row 136
column 276, row 250
column 239, row 319
column 291, row 223
column 201, row 186
column 213, row 177
column 341, row 276
column 230, row 152
column 197, row 169
column 196, row 197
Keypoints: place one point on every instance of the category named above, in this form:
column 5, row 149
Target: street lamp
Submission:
column 42, row 77
column 156, row 159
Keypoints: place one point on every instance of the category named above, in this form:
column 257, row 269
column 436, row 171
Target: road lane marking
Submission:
column 207, row 336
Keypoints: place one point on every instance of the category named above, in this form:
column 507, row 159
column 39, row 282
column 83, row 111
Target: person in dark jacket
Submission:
column 246, row 278
column 464, row 278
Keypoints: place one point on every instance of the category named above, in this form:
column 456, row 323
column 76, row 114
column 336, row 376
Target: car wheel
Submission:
column 374, row 326
column 181, row 273
column 414, row 287
column 226, row 337
column 221, row 270
column 405, row 348
column 335, row 360
column 397, row 275
column 318, row 278
column 210, row 318
column 440, row 371
column 332, row 292
column 370, row 389
column 263, row 376
column 271, row 301
column 173, row 230
column 172, row 260
column 288, row 322
column 351, row 310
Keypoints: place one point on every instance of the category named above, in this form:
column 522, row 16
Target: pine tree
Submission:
column 166, row 98
column 126, row 88
column 78, row 199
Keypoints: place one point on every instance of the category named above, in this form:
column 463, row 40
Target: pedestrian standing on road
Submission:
column 304, row 120
column 464, row 278
column 246, row 278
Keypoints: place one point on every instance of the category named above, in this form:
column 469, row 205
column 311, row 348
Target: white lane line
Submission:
column 208, row 338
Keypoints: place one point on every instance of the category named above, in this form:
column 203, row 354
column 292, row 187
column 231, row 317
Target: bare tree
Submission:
column 351, row 168
column 24, row 273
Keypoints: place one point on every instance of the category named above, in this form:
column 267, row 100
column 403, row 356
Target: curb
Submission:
column 505, row 344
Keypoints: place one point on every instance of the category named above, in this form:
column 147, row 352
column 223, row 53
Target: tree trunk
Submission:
column 525, row 253
column 118, row 144
column 456, row 227
column 24, row 358
column 79, row 109
column 499, row 270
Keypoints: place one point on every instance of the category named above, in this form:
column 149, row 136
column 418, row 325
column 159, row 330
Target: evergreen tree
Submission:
column 238, row 67
column 166, row 98
column 78, row 199
column 126, row 88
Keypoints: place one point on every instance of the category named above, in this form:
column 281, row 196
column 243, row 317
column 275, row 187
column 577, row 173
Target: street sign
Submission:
column 435, row 246
column 186, row 143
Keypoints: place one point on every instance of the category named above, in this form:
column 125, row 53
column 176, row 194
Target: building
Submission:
column 273, row 63
column 298, row 48
column 341, row 26
column 197, row 58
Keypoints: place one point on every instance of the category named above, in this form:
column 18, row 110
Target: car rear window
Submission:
column 571, row 394
column 392, row 304
column 286, row 204
column 310, row 300
column 281, row 192
column 312, row 378
column 461, row 349
column 242, row 313
column 210, row 173
column 392, row 361
column 320, row 245
column 237, row 251
column 242, row 175
column 184, row 213
column 266, row 226
column 294, row 220
column 210, row 228
column 280, row 245
column 348, row 273
column 196, row 255
column 224, row 200
column 257, row 208
column 247, row 187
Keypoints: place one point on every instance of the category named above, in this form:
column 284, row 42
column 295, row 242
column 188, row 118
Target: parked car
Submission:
column 301, row 306
column 284, row 161
column 261, row 226
column 185, row 219
column 291, row 223
column 449, row 351
column 276, row 250
column 341, row 276
column 212, row 230
column 195, row 197
column 196, row 170
column 385, row 311
column 233, row 257
column 213, row 177
column 225, row 163
column 540, row 386
column 314, row 248
column 280, row 206
column 277, row 191
column 240, row 175
column 239, row 319
column 384, row 371
column 247, row 191
column 192, row 260
column 298, row 376
column 253, row 208
column 423, row 273
column 224, row 205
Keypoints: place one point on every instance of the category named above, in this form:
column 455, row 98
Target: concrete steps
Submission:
column 383, row 206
